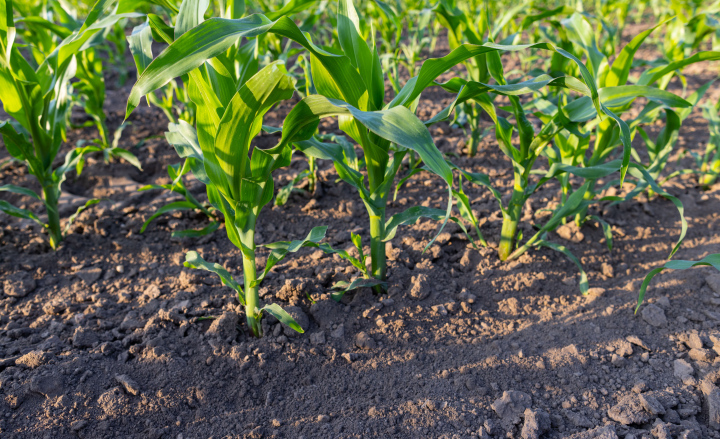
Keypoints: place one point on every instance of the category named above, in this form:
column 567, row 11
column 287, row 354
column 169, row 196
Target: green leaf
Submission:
column 240, row 123
column 359, row 282
column 276, row 311
column 192, row 49
column 410, row 216
column 194, row 260
column 712, row 260
column 607, row 231
column 397, row 125
column 140, row 44
column 434, row 67
column 190, row 15
column 624, row 94
column 177, row 205
column 649, row 77
column 280, row 249
column 126, row 155
column 618, row 73
column 80, row 210
column 19, row 190
column 19, row 213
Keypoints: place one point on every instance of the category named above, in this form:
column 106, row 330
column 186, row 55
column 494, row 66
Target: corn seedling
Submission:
column 36, row 96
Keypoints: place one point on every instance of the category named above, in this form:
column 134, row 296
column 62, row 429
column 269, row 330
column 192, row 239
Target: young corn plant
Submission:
column 564, row 119
column 238, row 177
column 651, row 84
column 470, row 23
column 227, row 122
column 88, row 87
column 37, row 99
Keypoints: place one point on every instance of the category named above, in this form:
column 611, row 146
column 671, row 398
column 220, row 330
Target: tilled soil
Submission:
column 112, row 337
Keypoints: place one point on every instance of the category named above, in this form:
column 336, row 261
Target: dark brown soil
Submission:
column 115, row 338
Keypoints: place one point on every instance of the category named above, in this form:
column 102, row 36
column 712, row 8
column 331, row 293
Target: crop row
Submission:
column 568, row 114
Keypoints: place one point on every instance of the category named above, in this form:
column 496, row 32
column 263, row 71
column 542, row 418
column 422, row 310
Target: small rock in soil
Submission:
column 713, row 282
column 32, row 359
column 364, row 341
column 694, row 341
column 654, row 315
column 78, row 424
column 536, row 423
column 150, row 293
column 89, row 275
column 224, row 326
column 317, row 338
column 420, row 287
column 48, row 385
column 338, row 332
column 300, row 317
column 606, row 432
column 629, row 411
column 113, row 401
column 130, row 385
column 349, row 356
column 19, row 285
column 683, row 370
column 636, row 341
column 54, row 307
column 511, row 405
column 578, row 419
column 701, row 355
column 651, row 404
column 712, row 395
column 570, row 232
column 84, row 338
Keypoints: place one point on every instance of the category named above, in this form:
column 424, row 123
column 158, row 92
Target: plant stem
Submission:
column 312, row 177
column 377, row 247
column 50, row 198
column 252, row 299
column 246, row 231
column 510, row 225
column 507, row 237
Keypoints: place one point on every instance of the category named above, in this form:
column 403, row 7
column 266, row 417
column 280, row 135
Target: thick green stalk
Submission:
column 377, row 246
column 709, row 173
column 50, row 198
column 312, row 176
column 510, row 224
column 252, row 298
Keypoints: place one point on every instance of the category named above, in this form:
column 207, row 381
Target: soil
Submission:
column 111, row 336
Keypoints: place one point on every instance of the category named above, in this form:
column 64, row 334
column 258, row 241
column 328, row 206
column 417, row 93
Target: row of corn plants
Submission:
column 222, row 67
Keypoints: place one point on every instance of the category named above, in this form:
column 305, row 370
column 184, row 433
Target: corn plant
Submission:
column 471, row 23
column 350, row 86
column 615, row 77
column 564, row 119
column 37, row 98
column 239, row 181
